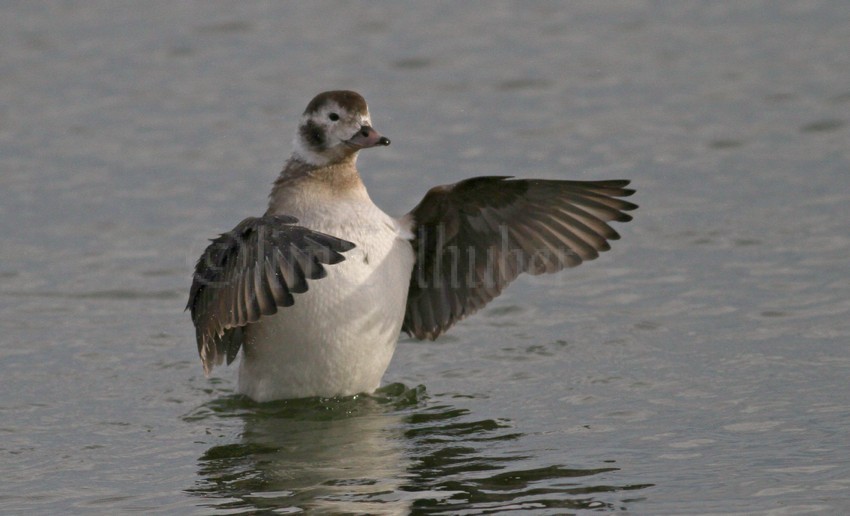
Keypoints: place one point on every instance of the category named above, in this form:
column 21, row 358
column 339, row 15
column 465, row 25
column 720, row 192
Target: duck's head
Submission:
column 335, row 126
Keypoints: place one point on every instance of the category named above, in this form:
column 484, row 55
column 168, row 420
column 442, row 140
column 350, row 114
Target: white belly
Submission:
column 339, row 336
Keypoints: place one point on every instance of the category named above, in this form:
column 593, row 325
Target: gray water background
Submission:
column 699, row 367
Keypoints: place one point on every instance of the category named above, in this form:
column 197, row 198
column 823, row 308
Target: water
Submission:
column 699, row 367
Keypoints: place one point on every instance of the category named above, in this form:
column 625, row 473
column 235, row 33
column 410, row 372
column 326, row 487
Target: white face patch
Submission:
column 346, row 125
column 322, row 134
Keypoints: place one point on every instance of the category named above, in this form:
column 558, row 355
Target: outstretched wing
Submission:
column 249, row 272
column 474, row 237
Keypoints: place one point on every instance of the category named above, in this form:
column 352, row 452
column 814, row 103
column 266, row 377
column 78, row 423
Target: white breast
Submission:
column 339, row 336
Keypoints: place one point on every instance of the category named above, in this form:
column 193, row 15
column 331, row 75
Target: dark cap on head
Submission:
column 350, row 100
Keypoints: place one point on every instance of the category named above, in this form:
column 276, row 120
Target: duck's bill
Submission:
column 367, row 137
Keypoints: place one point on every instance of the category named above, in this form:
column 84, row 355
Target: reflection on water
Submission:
column 397, row 452
column 328, row 455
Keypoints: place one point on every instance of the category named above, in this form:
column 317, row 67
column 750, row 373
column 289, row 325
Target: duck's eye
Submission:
column 333, row 117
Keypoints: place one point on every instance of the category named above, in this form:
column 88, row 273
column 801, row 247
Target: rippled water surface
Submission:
column 701, row 366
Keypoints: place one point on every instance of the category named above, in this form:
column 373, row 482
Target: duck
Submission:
column 316, row 292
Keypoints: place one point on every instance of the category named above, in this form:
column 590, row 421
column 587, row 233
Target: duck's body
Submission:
column 376, row 274
column 339, row 336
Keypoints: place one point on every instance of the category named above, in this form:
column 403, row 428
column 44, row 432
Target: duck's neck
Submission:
column 317, row 183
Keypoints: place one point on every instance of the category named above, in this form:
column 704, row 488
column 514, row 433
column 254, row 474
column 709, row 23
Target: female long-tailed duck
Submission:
column 316, row 291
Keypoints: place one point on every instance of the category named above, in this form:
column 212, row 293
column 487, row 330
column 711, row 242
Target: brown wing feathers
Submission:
column 249, row 272
column 478, row 235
